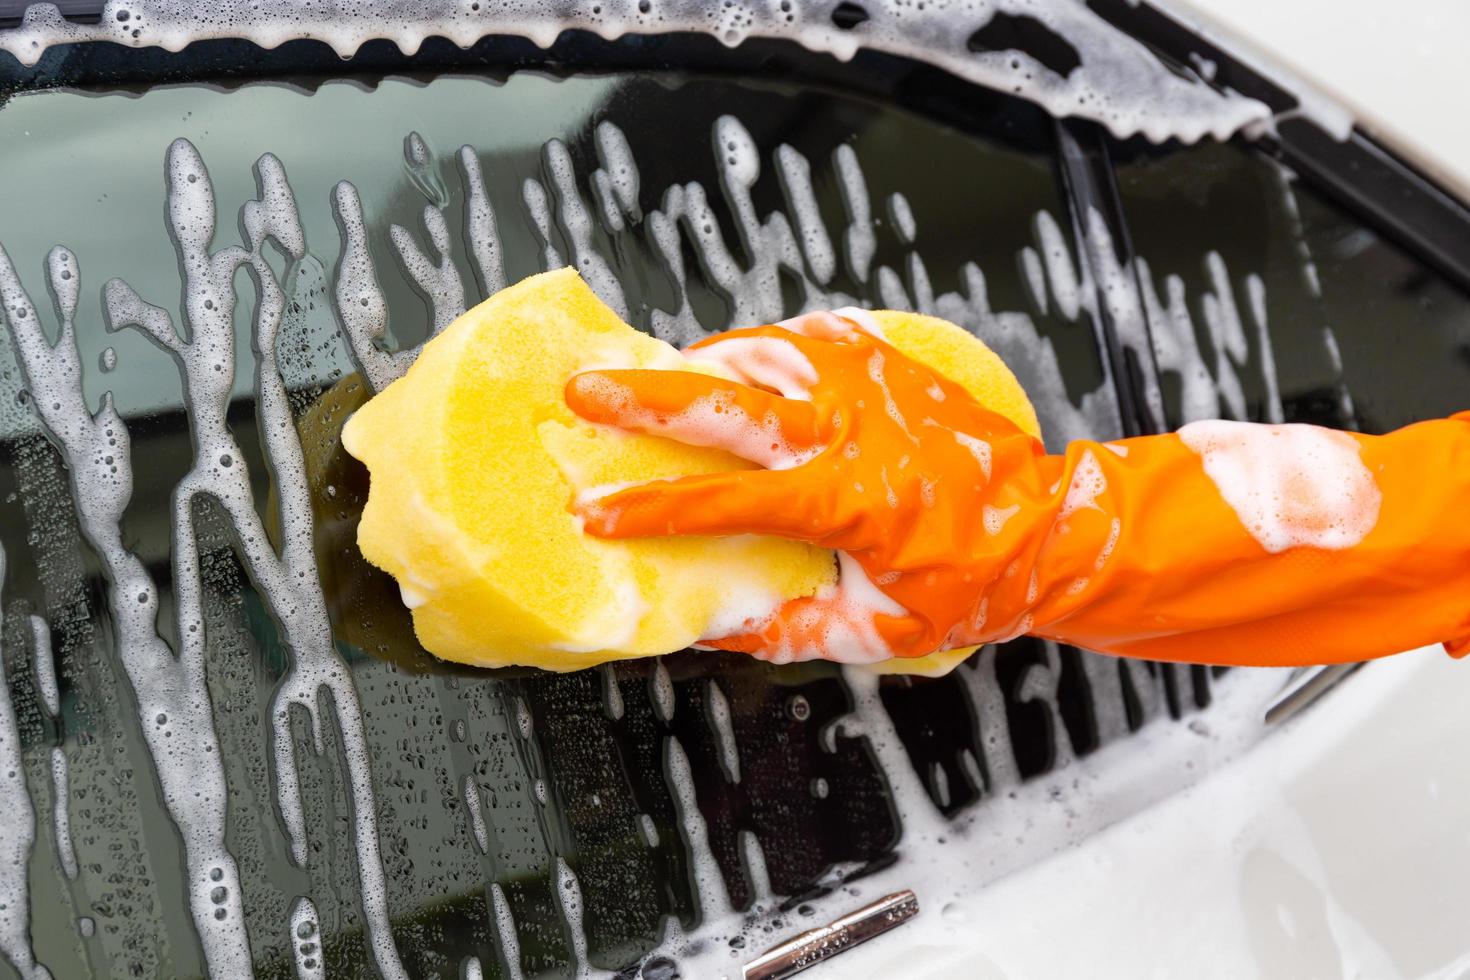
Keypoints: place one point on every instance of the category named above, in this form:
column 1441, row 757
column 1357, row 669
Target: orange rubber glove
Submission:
column 1224, row 543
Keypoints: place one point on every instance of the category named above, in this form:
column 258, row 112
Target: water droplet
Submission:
column 799, row 708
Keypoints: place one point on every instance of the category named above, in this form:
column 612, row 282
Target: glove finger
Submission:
column 840, row 324
column 699, row 410
column 783, row 503
column 766, row 361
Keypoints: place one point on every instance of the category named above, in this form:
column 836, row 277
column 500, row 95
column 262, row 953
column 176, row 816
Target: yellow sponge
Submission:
column 474, row 456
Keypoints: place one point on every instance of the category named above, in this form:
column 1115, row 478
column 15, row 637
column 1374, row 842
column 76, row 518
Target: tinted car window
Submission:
column 370, row 806
column 1299, row 311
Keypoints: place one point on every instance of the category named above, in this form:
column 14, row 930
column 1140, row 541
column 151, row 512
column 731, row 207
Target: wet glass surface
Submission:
column 537, row 823
column 1359, row 333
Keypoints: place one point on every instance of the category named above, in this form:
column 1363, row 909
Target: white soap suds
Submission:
column 835, row 324
column 902, row 217
column 19, row 836
column 306, row 940
column 61, row 811
column 768, row 362
column 1256, row 289
column 839, row 624
column 470, row 790
column 173, row 700
column 1088, row 483
column 1014, row 335
column 876, row 363
column 1061, row 271
column 569, row 899
column 1106, row 551
column 720, row 723
column 743, row 604
column 648, row 830
column 505, row 933
column 436, row 278
column 995, row 517
column 978, row 448
column 709, row 885
column 716, row 420
column 1034, row 278
column 661, row 687
column 612, row 693
column 859, row 240
column 1119, row 83
column 44, row 662
column 796, row 184
column 45, row 665
column 1292, row 486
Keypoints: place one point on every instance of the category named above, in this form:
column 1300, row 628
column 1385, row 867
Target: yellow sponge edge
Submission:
column 474, row 456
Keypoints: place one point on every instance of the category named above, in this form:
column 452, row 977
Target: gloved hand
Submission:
column 1226, row 543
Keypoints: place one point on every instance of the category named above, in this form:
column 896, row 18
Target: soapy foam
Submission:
column 437, row 279
column 1115, row 531
column 1292, row 486
column 1034, row 278
column 184, row 746
column 1088, row 483
column 766, row 362
column 718, row 709
column 20, row 835
column 470, row 790
column 505, row 933
column 61, row 812
column 1275, row 413
column 1118, row 82
column 842, row 616
column 948, row 859
column 569, row 899
column 742, row 604
column 859, row 241
column 713, row 420
column 1120, row 299
column 306, row 940
column 970, row 307
column 44, row 661
column 661, row 687
column 995, row 517
column 775, row 249
column 45, row 666
column 978, row 448
column 576, row 221
column 796, row 184
column 890, row 407
column 1060, row 270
